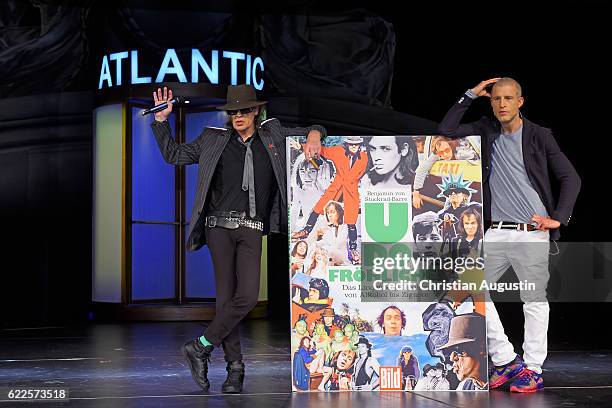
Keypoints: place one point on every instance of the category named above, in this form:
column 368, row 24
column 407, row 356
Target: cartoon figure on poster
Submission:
column 436, row 320
column 466, row 350
column 350, row 163
column 352, row 336
column 458, row 193
column 300, row 329
column 341, row 340
column 322, row 340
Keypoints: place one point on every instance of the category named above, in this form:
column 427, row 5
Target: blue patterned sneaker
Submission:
column 527, row 381
column 502, row 374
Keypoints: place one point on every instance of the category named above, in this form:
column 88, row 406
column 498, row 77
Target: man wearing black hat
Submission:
column 466, row 349
column 457, row 193
column 367, row 369
column 328, row 317
column 241, row 195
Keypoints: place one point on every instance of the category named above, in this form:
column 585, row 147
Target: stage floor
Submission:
column 140, row 365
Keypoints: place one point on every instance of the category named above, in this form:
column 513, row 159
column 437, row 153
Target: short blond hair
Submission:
column 509, row 81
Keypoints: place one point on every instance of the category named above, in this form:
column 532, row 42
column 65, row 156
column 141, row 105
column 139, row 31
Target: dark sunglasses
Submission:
column 243, row 111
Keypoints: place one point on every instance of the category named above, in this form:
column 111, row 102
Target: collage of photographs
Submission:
column 340, row 342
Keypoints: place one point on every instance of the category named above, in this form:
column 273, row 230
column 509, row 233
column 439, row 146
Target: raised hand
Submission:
column 480, row 89
column 160, row 97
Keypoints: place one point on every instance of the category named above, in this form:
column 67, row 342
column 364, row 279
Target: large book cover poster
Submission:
column 386, row 264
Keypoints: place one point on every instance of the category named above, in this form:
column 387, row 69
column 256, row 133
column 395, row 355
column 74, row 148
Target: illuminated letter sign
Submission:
column 238, row 67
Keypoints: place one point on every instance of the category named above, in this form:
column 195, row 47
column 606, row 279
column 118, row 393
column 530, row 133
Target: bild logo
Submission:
column 390, row 378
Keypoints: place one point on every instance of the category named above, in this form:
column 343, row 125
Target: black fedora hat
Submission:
column 240, row 97
column 363, row 340
column 467, row 328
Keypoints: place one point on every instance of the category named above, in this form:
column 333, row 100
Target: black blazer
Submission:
column 206, row 151
column 541, row 156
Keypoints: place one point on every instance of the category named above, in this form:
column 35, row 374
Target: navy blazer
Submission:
column 541, row 156
column 206, row 150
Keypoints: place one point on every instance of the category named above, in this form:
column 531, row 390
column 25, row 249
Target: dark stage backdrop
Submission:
column 399, row 68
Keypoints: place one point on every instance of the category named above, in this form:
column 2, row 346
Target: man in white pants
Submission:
column 517, row 157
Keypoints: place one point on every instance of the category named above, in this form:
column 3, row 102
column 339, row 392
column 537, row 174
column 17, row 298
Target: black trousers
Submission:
column 236, row 257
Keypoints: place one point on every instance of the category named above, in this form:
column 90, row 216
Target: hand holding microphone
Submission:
column 162, row 98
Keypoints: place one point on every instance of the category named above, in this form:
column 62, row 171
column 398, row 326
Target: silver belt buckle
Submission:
column 211, row 221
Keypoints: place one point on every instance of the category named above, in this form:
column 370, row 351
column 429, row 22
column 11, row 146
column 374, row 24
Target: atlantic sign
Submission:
column 242, row 67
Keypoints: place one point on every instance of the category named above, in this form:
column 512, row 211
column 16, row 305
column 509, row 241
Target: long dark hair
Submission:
column 406, row 167
column 294, row 250
column 303, row 340
column 339, row 210
column 468, row 212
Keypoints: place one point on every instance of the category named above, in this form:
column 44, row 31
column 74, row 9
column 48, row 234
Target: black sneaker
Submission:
column 235, row 378
column 198, row 358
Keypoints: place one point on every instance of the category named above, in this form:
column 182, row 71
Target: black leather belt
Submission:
column 228, row 214
column 231, row 220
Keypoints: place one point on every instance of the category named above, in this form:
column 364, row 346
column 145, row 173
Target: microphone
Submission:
column 162, row 106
